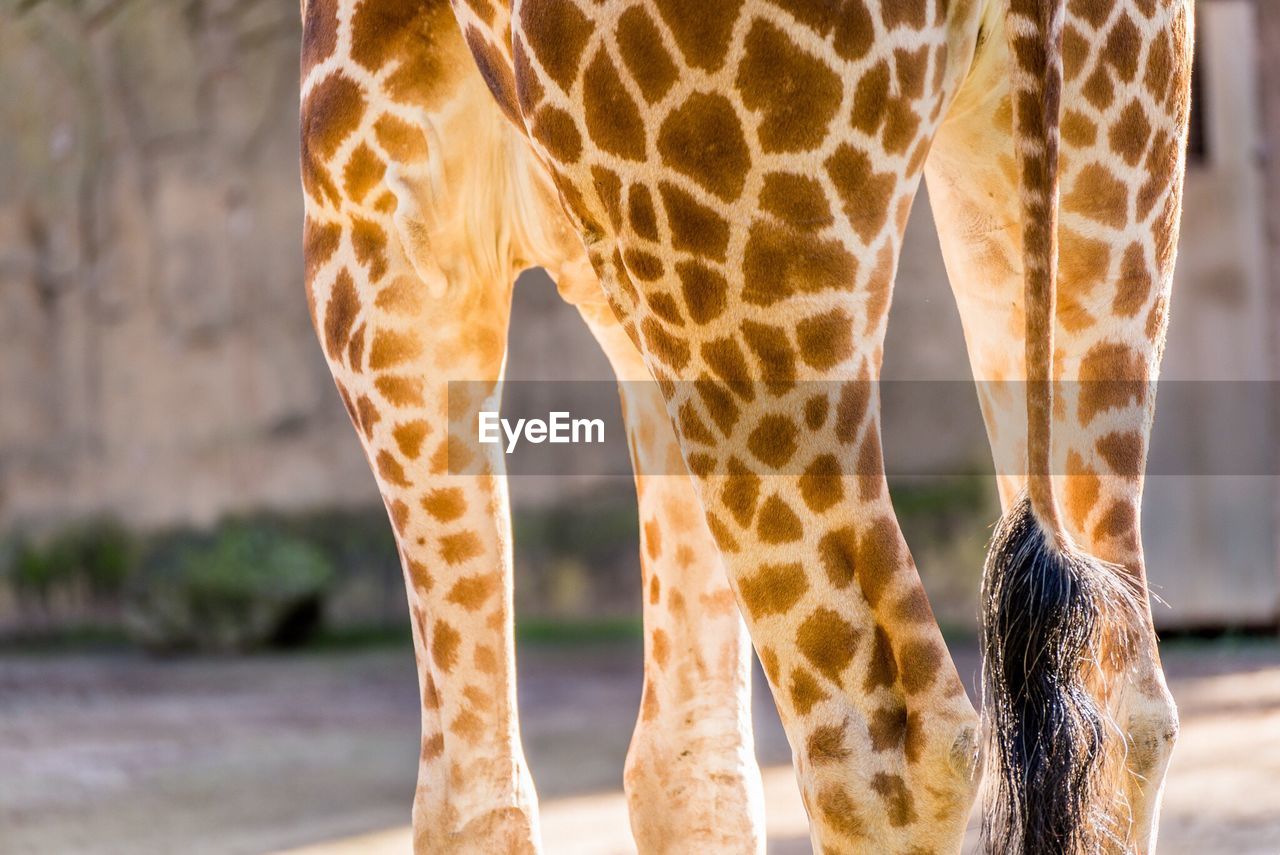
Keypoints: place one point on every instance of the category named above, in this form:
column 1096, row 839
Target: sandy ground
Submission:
column 115, row 753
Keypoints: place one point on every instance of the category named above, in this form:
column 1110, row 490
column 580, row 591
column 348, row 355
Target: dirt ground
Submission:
column 122, row 754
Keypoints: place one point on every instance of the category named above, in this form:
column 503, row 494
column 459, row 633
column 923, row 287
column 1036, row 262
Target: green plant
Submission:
column 99, row 554
column 30, row 572
column 237, row 588
column 90, row 559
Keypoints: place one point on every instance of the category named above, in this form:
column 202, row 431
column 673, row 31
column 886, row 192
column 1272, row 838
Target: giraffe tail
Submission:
column 1055, row 621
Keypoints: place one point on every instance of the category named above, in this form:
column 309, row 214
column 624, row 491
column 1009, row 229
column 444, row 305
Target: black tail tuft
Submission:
column 1049, row 617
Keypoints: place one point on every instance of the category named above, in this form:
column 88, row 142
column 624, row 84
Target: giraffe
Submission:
column 721, row 188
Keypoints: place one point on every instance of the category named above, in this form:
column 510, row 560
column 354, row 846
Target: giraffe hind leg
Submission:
column 1121, row 185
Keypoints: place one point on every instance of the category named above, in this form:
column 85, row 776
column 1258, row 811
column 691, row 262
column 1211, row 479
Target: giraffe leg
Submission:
column 405, row 298
column 691, row 778
column 453, row 531
column 1121, row 188
column 741, row 178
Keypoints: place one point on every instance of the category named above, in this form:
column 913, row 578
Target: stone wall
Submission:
column 156, row 357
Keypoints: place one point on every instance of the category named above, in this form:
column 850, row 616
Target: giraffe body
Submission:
column 721, row 189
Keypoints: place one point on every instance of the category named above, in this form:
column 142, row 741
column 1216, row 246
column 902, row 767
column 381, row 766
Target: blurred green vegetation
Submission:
column 332, row 577
column 240, row 587
column 248, row 582
column 947, row 523
column 88, row 561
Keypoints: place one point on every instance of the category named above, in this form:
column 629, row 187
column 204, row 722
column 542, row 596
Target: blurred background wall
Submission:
column 156, row 358
column 158, row 371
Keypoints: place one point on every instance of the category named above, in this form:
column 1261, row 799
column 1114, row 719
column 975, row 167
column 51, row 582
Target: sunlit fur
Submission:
column 505, row 198
column 732, row 181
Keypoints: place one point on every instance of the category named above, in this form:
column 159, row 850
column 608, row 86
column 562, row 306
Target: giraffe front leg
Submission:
column 406, row 298
column 475, row 793
column 450, row 515
column 691, row 778
column 449, row 510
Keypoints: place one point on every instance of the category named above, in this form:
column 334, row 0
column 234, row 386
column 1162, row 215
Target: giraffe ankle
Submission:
column 700, row 733
column 501, row 831
column 669, row 760
column 1151, row 731
column 677, row 802
column 692, row 784
column 502, row 820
